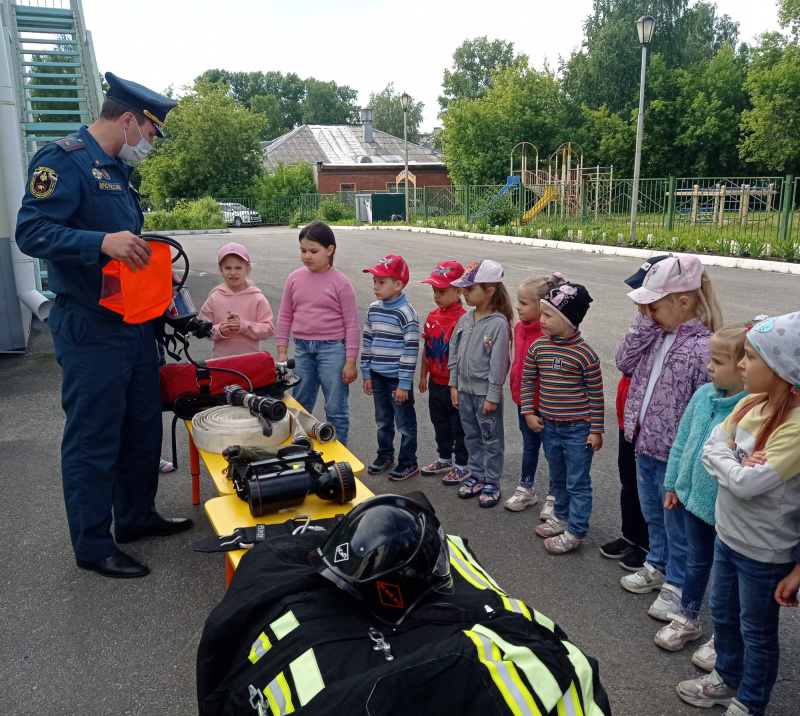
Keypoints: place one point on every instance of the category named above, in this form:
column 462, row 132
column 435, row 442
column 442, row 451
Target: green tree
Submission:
column 389, row 114
column 52, row 71
column 329, row 103
column 523, row 105
column 286, row 181
column 211, row 147
column 772, row 126
column 269, row 106
column 789, row 14
column 470, row 75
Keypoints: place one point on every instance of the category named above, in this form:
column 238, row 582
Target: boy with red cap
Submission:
column 436, row 334
column 388, row 361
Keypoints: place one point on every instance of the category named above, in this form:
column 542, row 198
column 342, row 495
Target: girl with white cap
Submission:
column 753, row 455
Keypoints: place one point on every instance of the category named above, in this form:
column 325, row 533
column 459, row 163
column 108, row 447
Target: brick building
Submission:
column 355, row 157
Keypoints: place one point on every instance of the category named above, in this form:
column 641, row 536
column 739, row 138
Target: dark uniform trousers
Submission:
column 112, row 439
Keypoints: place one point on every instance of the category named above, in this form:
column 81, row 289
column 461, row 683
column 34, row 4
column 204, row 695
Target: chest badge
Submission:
column 43, row 182
column 96, row 173
column 105, row 174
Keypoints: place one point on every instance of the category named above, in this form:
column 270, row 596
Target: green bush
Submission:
column 501, row 213
column 294, row 222
column 201, row 214
column 330, row 211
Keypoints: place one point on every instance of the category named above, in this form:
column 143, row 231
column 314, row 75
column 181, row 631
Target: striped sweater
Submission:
column 569, row 380
column 391, row 341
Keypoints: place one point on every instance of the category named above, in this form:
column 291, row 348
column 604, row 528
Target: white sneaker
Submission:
column 565, row 542
column 647, row 579
column 705, row 657
column 737, row 708
column 707, row 691
column 552, row 527
column 547, row 510
column 521, row 499
column 667, row 604
column 678, row 633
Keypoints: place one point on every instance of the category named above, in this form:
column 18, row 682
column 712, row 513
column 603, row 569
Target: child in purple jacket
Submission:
column 666, row 352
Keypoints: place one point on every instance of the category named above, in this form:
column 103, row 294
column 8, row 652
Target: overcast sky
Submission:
column 358, row 43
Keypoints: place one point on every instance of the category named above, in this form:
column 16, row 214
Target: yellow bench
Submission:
column 227, row 512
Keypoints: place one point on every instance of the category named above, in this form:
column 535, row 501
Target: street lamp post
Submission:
column 645, row 26
column 404, row 102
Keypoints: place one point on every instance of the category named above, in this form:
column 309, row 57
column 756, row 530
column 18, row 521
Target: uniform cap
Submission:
column 444, row 274
column 235, row 249
column 486, row 271
column 139, row 98
column 676, row 274
column 390, row 267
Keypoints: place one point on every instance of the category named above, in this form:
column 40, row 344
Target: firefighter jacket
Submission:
column 285, row 640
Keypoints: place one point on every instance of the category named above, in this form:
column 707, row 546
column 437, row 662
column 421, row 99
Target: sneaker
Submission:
column 552, row 527
column 705, row 657
column 403, row 472
column 565, row 542
column 456, row 476
column 707, row 691
column 617, row 548
column 678, row 633
column 380, row 464
column 547, row 510
column 436, row 468
column 737, row 708
column 165, row 466
column 521, row 499
column 635, row 559
column 647, row 579
column 667, row 604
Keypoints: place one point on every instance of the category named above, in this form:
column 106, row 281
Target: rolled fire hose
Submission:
column 322, row 432
column 299, row 436
column 217, row 428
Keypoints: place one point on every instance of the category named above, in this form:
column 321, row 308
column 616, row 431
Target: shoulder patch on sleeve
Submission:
column 43, row 182
column 70, row 144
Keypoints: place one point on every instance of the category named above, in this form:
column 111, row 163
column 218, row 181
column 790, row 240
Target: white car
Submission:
column 238, row 215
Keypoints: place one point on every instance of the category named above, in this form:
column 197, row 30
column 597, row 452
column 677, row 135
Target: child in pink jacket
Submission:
column 240, row 312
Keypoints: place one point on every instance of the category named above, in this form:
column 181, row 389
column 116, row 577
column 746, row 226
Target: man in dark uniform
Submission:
column 79, row 212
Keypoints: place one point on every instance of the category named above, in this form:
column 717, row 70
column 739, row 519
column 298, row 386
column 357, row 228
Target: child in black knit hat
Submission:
column 566, row 372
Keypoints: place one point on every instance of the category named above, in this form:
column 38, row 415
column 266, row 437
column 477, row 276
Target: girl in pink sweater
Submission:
column 319, row 308
column 240, row 313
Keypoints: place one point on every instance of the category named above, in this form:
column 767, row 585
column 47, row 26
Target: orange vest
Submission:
column 142, row 295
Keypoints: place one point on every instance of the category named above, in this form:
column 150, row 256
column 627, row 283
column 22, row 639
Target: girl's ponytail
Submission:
column 500, row 301
column 777, row 418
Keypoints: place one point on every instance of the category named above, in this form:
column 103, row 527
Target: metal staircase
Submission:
column 53, row 71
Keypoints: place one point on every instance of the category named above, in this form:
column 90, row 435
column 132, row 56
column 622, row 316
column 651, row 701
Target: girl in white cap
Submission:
column 240, row 312
column 753, row 455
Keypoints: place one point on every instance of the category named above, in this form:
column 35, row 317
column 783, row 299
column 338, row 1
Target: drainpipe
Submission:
column 13, row 183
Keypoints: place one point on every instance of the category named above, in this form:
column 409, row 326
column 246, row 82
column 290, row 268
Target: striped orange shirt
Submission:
column 570, row 385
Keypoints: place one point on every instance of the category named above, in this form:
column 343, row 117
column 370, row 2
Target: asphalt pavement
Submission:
column 75, row 643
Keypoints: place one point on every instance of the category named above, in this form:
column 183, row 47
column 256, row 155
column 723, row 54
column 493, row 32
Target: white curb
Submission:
column 708, row 260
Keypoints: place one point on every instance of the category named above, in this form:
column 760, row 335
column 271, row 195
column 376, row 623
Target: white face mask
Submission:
column 136, row 153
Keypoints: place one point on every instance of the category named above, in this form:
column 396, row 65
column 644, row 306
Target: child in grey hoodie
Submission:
column 479, row 364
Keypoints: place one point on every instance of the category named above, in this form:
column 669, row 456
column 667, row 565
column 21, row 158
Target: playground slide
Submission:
column 547, row 197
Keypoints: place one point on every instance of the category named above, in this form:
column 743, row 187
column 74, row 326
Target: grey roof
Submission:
column 341, row 144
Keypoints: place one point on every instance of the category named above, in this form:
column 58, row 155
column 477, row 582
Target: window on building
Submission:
column 347, row 187
column 391, row 186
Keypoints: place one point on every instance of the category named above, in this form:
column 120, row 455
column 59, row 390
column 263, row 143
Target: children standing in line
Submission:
column 666, row 351
column 444, row 415
column 565, row 372
column 689, row 486
column 240, row 312
column 319, row 308
column 479, row 363
column 527, row 330
column 388, row 363
column 753, row 456
column 630, row 549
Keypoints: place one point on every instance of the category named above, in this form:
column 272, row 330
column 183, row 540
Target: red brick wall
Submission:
column 373, row 178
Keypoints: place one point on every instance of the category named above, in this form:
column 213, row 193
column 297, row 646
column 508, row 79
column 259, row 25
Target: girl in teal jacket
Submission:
column 689, row 486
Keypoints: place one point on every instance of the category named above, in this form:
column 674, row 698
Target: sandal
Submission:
column 473, row 486
column 490, row 496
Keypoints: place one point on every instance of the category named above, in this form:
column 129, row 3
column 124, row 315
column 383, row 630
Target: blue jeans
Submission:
column 665, row 527
column 320, row 364
column 570, row 462
column 745, row 616
column 700, row 537
column 531, row 442
column 388, row 412
column 484, row 436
